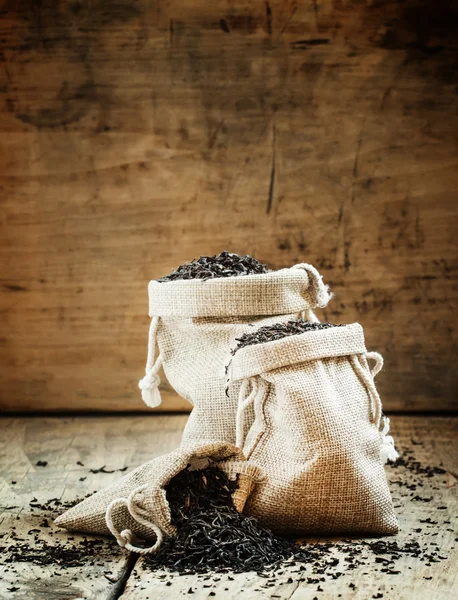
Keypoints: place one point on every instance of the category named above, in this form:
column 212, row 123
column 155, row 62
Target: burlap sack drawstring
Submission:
column 378, row 358
column 366, row 374
column 126, row 537
column 149, row 385
column 319, row 292
column 245, row 401
column 366, row 378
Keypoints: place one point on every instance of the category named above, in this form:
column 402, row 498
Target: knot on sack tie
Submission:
column 387, row 449
column 318, row 291
column 126, row 537
column 149, row 385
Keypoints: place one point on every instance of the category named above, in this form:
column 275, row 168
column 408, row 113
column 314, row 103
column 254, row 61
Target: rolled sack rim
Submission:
column 255, row 359
column 278, row 292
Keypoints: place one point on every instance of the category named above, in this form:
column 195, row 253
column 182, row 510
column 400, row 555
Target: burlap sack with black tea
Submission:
column 318, row 434
column 136, row 505
column 195, row 323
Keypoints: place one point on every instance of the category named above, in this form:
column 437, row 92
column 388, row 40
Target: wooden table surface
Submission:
column 46, row 463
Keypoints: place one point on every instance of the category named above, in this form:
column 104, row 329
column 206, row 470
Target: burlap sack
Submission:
column 317, row 433
column 136, row 505
column 195, row 323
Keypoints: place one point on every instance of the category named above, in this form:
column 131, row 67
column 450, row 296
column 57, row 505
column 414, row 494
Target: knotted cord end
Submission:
column 126, row 538
column 149, row 386
column 387, row 450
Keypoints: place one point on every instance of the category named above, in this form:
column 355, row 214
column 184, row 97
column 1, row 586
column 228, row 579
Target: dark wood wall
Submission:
column 135, row 135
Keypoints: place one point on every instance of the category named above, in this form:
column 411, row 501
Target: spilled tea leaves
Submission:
column 211, row 534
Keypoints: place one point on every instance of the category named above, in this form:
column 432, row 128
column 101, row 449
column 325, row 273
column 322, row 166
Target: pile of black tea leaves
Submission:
column 212, row 536
column 270, row 333
column 225, row 264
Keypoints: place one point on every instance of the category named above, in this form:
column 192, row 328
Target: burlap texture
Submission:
column 199, row 322
column 89, row 515
column 315, row 436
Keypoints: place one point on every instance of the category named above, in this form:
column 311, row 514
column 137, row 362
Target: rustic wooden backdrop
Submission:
column 136, row 135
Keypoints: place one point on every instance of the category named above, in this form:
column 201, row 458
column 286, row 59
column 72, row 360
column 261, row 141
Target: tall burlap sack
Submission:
column 136, row 505
column 195, row 323
column 318, row 434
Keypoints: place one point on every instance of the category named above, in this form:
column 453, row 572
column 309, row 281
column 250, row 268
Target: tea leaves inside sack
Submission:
column 225, row 264
column 278, row 331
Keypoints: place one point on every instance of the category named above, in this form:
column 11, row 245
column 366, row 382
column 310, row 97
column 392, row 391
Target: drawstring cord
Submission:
column 256, row 397
column 378, row 358
column 387, row 450
column 126, row 537
column 149, row 385
column 367, row 379
column 244, row 402
column 319, row 292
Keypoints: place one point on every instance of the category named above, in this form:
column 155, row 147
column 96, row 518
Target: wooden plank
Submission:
column 431, row 442
column 138, row 135
column 70, row 448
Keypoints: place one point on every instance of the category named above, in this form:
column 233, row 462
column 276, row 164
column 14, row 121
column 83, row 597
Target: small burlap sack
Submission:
column 136, row 505
column 195, row 322
column 318, row 434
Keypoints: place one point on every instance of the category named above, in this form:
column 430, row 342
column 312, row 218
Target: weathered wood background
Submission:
column 138, row 134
